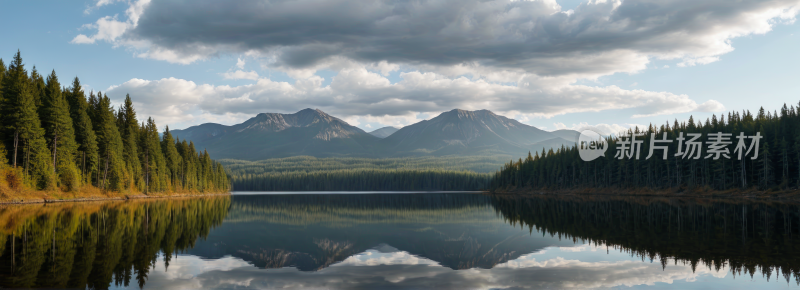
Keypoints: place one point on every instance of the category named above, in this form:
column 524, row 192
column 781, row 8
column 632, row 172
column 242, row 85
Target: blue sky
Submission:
column 175, row 70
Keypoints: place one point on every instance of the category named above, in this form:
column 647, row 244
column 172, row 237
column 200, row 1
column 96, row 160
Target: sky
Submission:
column 607, row 64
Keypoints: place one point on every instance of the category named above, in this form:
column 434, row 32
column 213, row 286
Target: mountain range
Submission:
column 315, row 133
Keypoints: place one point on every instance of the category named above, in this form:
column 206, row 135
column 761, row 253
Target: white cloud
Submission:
column 594, row 39
column 240, row 75
column 607, row 129
column 100, row 3
column 109, row 28
column 521, row 57
column 361, row 96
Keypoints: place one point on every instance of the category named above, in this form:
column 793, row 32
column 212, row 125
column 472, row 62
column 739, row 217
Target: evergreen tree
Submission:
column 22, row 128
column 60, row 133
column 54, row 136
column 153, row 164
column 87, row 156
column 2, row 75
column 37, row 88
column 172, row 158
column 111, row 174
column 129, row 129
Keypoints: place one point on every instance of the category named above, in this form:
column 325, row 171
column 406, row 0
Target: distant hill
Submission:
column 315, row 133
column 384, row 132
column 566, row 134
column 465, row 133
column 270, row 135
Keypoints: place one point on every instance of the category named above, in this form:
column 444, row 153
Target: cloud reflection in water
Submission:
column 386, row 267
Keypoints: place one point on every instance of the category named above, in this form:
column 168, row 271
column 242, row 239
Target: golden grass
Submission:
column 14, row 190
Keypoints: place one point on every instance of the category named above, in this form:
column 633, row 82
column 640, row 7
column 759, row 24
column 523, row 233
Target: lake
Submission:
column 401, row 241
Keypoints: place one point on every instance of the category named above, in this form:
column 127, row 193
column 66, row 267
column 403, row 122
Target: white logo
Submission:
column 591, row 145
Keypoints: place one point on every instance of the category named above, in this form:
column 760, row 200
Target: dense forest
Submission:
column 54, row 138
column 742, row 237
column 772, row 164
column 99, row 245
column 304, row 173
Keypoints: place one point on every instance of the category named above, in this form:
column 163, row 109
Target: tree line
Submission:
column 305, row 173
column 54, row 137
column 776, row 167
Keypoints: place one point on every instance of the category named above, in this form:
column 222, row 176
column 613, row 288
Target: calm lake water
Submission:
column 401, row 241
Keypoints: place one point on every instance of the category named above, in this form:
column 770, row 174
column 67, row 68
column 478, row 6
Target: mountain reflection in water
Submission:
column 456, row 241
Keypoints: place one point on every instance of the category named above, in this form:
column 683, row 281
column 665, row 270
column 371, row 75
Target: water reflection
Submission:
column 95, row 245
column 747, row 237
column 440, row 241
column 311, row 232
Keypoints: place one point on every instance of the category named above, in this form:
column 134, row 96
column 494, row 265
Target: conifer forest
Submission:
column 54, row 138
column 305, row 173
column 733, row 151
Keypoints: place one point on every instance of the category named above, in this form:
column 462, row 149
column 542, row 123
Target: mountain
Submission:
column 271, row 135
column 567, row 134
column 465, row 133
column 315, row 133
column 384, row 132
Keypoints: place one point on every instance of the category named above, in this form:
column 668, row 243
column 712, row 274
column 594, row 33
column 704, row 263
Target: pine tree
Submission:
column 60, row 133
column 54, row 136
column 129, row 131
column 153, row 165
column 797, row 152
column 111, row 174
column 172, row 158
column 37, row 88
column 2, row 75
column 22, row 127
column 87, row 155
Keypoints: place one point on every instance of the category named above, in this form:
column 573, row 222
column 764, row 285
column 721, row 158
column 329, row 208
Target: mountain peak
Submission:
column 384, row 132
column 465, row 114
column 310, row 111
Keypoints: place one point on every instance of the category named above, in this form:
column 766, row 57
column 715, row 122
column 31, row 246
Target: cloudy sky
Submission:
column 548, row 63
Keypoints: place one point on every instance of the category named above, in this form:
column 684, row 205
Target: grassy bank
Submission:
column 15, row 189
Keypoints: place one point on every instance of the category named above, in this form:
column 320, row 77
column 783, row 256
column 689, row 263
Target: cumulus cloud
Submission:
column 240, row 75
column 523, row 57
column 606, row 129
column 109, row 28
column 359, row 95
column 595, row 38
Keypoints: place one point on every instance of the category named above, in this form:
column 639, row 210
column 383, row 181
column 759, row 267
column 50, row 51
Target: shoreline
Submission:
column 749, row 194
column 109, row 198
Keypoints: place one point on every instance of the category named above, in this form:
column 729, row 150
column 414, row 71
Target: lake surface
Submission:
column 401, row 241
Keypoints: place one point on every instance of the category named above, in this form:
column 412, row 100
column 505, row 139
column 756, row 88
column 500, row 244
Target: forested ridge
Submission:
column 55, row 139
column 304, row 173
column 776, row 166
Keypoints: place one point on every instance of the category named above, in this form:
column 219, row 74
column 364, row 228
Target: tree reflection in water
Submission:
column 744, row 236
column 98, row 245
column 80, row 245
